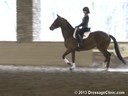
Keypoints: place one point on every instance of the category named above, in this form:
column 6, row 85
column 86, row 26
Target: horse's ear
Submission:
column 58, row 15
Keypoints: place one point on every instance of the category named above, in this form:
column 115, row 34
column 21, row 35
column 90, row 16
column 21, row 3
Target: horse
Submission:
column 98, row 39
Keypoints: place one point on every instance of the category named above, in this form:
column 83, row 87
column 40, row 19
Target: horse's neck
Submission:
column 67, row 31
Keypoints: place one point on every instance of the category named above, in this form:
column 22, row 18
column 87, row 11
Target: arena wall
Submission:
column 50, row 54
column 39, row 53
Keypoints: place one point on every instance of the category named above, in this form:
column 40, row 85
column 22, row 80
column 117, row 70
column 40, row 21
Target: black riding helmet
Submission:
column 86, row 9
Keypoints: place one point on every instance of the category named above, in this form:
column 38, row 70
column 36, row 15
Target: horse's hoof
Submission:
column 106, row 69
column 72, row 68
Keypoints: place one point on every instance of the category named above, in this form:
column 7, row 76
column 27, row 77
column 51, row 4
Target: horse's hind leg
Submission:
column 107, row 58
column 103, row 46
column 106, row 55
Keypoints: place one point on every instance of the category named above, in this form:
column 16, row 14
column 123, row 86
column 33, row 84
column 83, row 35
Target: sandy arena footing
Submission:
column 56, row 69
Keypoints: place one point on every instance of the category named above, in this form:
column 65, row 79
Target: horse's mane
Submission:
column 69, row 25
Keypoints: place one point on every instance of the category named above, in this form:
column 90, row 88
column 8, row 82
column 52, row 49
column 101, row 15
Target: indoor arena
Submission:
column 34, row 60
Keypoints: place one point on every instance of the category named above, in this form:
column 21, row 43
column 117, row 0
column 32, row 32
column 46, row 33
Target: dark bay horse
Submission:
column 98, row 39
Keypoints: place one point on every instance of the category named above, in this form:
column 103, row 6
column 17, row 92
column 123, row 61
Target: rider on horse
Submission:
column 84, row 25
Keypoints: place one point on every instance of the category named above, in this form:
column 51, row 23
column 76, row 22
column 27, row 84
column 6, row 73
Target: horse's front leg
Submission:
column 65, row 59
column 73, row 61
column 72, row 65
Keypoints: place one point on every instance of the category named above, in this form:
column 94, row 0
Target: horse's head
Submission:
column 56, row 23
column 66, row 28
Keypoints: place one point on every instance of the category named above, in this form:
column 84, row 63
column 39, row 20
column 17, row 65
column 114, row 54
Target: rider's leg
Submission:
column 80, row 40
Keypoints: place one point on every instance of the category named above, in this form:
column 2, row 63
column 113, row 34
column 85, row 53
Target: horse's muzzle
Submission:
column 51, row 28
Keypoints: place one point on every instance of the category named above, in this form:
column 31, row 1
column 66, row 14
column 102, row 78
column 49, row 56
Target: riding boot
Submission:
column 80, row 40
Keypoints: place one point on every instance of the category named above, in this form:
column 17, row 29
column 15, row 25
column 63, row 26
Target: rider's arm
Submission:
column 84, row 22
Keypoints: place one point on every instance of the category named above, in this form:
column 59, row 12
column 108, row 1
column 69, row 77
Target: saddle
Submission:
column 85, row 35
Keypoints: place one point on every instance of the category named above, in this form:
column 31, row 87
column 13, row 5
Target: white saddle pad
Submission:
column 86, row 34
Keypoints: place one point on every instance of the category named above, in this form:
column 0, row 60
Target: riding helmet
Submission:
column 86, row 9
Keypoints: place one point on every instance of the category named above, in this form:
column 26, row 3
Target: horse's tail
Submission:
column 117, row 49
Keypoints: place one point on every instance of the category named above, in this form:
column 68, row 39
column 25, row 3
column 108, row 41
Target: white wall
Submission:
column 110, row 16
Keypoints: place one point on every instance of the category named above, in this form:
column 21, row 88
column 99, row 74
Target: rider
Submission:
column 84, row 25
